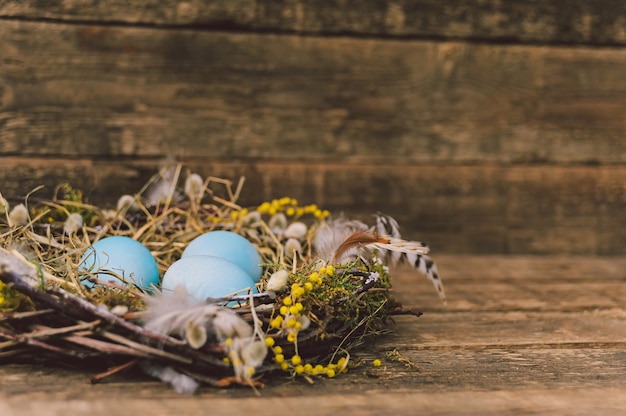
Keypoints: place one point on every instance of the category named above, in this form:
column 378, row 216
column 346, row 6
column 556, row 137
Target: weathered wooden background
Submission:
column 483, row 126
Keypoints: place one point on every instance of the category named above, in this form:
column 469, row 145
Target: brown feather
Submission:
column 359, row 239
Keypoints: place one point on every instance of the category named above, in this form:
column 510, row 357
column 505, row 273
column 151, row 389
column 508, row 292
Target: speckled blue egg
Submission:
column 206, row 277
column 123, row 256
column 230, row 246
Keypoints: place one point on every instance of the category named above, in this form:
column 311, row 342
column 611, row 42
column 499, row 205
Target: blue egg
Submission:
column 206, row 277
column 230, row 246
column 124, row 257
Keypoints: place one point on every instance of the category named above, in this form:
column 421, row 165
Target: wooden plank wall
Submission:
column 482, row 126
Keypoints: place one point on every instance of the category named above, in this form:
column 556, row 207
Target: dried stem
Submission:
column 118, row 369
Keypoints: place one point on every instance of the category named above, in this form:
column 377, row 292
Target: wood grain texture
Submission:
column 456, row 209
column 551, row 21
column 99, row 91
column 530, row 286
column 562, row 358
column 562, row 401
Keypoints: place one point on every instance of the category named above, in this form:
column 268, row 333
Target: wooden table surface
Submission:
column 519, row 335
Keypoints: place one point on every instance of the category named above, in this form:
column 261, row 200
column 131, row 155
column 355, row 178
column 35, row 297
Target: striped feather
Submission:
column 339, row 240
column 427, row 266
column 386, row 225
column 398, row 245
column 411, row 252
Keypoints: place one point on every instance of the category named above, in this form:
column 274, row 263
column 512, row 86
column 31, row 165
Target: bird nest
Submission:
column 325, row 285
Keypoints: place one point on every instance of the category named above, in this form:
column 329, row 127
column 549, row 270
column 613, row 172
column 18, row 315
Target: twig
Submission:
column 11, row 353
column 44, row 332
column 411, row 312
column 105, row 347
column 229, row 381
column 24, row 315
column 99, row 377
column 145, row 349
column 53, row 348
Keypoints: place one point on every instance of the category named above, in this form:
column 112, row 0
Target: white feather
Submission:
column 178, row 312
column 182, row 383
column 164, row 188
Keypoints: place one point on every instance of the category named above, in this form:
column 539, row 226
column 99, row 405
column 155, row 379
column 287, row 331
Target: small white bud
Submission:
column 73, row 223
column 127, row 203
column 108, row 214
column 304, row 321
column 254, row 353
column 18, row 215
column 194, row 187
column 278, row 222
column 278, row 280
column 4, row 205
column 228, row 324
column 252, row 219
column 119, row 310
column 161, row 191
column 296, row 230
column 195, row 334
column 292, row 246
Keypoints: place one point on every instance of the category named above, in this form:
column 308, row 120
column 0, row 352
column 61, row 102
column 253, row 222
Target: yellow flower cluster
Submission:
column 290, row 207
column 279, row 357
column 298, row 366
column 11, row 300
column 290, row 320
column 239, row 214
column 330, row 370
column 2, row 286
column 327, row 270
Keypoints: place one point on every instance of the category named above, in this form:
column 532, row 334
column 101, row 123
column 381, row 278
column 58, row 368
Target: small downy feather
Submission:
column 167, row 313
column 164, row 188
column 182, row 383
column 331, row 234
column 179, row 312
